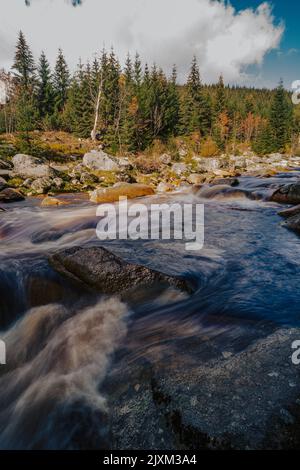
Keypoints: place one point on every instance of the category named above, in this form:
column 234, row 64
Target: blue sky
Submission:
column 246, row 45
column 284, row 63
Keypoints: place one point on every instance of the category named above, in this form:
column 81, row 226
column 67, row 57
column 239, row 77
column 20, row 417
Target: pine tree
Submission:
column 24, row 63
column 137, row 70
column 128, row 71
column 61, row 81
column 196, row 110
column 281, row 119
column 220, row 105
column 45, row 91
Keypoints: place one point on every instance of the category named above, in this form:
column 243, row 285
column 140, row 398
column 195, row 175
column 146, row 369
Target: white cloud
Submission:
column 165, row 31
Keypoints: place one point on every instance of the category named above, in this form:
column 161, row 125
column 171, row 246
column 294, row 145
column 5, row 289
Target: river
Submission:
column 64, row 344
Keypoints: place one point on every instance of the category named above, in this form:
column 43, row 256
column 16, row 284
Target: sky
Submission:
column 249, row 41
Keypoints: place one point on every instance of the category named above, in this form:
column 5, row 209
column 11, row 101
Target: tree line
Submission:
column 128, row 108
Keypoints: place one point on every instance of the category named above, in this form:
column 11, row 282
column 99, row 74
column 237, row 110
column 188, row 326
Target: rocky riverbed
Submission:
column 141, row 344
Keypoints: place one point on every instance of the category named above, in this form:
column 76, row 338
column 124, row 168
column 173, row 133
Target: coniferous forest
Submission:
column 129, row 108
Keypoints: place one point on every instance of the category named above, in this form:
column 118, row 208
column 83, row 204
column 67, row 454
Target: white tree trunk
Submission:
column 97, row 108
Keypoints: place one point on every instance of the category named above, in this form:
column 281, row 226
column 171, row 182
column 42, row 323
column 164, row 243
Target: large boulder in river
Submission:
column 10, row 195
column 113, row 193
column 231, row 401
column 31, row 167
column 103, row 271
column 287, row 194
column 99, row 160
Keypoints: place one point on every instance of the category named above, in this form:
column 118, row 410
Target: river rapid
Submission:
column 64, row 344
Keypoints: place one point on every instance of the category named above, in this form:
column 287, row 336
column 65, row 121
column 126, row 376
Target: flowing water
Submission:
column 63, row 342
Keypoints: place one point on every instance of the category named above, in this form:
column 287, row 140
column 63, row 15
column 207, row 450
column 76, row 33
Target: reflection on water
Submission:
column 60, row 339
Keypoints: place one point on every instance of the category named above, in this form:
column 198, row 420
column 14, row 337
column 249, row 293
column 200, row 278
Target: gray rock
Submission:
column 231, row 181
column 99, row 160
column 41, row 185
column 165, row 159
column 30, row 167
column 179, row 168
column 124, row 163
column 58, row 182
column 87, row 178
column 241, row 401
column 208, row 165
column 103, row 271
column 287, row 194
column 293, row 223
column 286, row 213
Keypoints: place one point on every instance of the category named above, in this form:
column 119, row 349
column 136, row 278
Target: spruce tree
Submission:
column 196, row 110
column 61, row 81
column 281, row 119
column 220, row 105
column 45, row 91
column 24, row 63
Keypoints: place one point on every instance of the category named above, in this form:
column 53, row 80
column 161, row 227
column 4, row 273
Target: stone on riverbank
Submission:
column 113, row 193
column 99, row 160
column 27, row 166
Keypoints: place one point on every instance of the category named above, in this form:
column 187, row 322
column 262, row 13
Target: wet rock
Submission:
column 164, row 187
column 3, row 184
column 30, row 167
column 286, row 213
column 10, row 195
column 293, row 223
column 236, row 402
column 52, row 201
column 229, row 181
column 99, row 160
column 287, row 194
column 113, row 193
column 105, row 272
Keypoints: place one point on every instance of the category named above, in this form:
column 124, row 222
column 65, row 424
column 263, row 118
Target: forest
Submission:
column 132, row 108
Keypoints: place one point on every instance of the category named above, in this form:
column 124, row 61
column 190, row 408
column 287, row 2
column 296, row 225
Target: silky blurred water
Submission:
column 246, row 284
